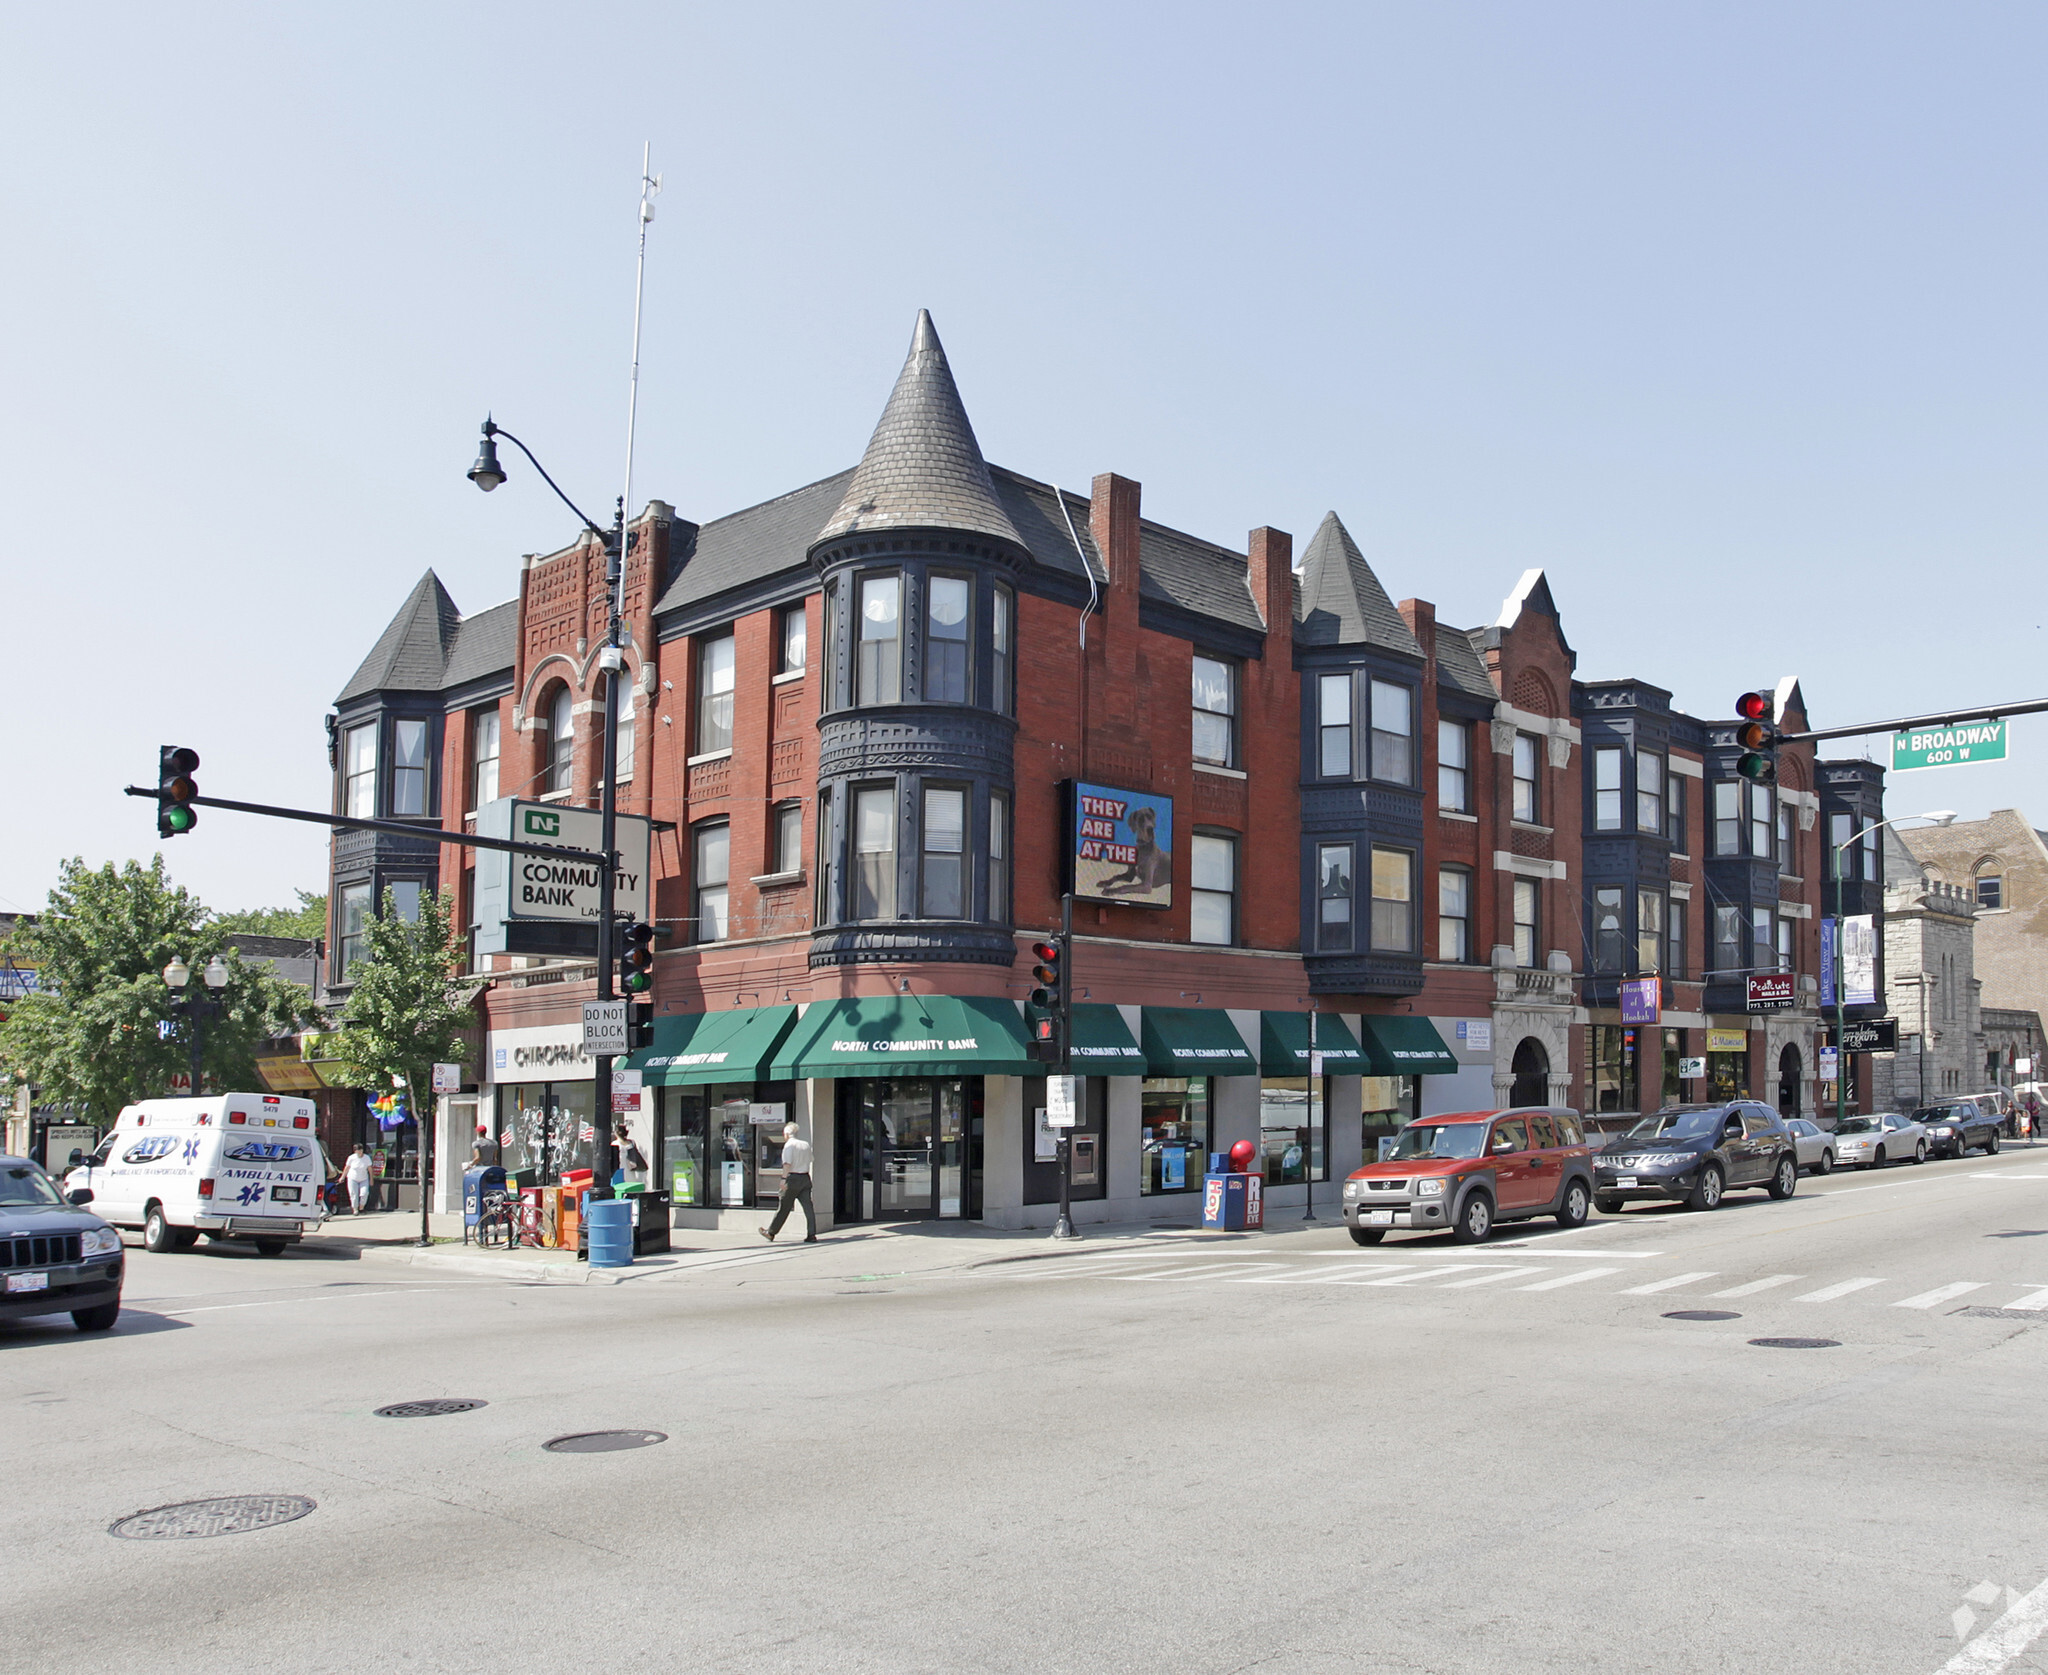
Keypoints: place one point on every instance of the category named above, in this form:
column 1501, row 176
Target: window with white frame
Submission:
column 1454, row 914
column 943, row 869
column 1333, row 726
column 558, row 755
column 873, row 884
column 1334, row 897
column 1787, row 931
column 1760, row 829
column 483, row 756
column 1393, row 900
column 1212, row 870
column 359, row 773
column 350, row 917
column 792, row 643
column 715, row 677
column 1607, row 789
column 1990, row 888
column 408, row 767
column 712, row 875
column 1393, row 732
column 788, row 854
column 1454, row 766
column 1727, row 817
column 1649, row 792
column 1527, row 804
column 1215, row 712
column 1526, row 903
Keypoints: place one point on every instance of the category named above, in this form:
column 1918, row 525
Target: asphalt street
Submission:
column 1149, row 1452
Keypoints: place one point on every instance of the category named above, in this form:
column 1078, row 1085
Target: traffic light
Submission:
column 636, row 957
column 175, row 789
column 1757, row 733
column 1045, row 1008
column 640, row 1023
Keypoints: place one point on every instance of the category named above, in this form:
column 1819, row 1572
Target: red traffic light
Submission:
column 1755, row 706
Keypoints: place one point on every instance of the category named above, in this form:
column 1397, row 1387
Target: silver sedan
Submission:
column 1872, row 1142
column 1816, row 1146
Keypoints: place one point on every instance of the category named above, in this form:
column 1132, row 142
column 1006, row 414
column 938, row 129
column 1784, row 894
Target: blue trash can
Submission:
column 610, row 1221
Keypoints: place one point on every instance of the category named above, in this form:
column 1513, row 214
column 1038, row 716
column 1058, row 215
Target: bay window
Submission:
column 1393, row 900
column 409, row 767
column 1333, row 726
column 1607, row 789
column 944, row 852
column 1649, row 931
column 874, row 853
column 946, row 660
column 1649, row 793
column 1393, row 732
column 878, row 668
column 359, row 773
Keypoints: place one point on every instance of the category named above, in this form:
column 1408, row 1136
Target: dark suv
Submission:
column 56, row 1256
column 1954, row 1128
column 1695, row 1153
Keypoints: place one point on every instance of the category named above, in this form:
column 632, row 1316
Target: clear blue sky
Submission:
column 1728, row 315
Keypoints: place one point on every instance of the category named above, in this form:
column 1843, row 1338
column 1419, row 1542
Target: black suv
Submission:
column 1954, row 1128
column 1695, row 1153
column 56, row 1256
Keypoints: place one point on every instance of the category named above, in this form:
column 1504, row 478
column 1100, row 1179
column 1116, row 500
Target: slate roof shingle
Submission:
column 1342, row 601
column 923, row 468
column 754, row 542
column 412, row 652
column 1460, row 665
column 485, row 644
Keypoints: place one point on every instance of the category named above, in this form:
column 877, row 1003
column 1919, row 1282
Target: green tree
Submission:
column 307, row 921
column 89, row 1036
column 408, row 1010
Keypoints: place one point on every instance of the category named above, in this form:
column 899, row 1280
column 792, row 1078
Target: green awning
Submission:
column 1400, row 1045
column 1189, row 1041
column 1283, row 1045
column 908, row 1035
column 691, row 1048
column 1102, row 1044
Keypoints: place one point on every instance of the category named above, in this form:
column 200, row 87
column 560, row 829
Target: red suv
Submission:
column 1467, row 1171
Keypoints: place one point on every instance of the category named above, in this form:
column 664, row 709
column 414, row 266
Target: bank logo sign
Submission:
column 556, row 888
column 540, row 823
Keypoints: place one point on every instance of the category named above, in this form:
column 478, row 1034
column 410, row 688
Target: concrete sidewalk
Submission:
column 392, row 1236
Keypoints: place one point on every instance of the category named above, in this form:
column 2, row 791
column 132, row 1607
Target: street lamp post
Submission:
column 1939, row 817
column 194, row 1008
column 487, row 474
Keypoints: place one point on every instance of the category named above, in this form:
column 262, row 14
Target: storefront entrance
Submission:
column 909, row 1149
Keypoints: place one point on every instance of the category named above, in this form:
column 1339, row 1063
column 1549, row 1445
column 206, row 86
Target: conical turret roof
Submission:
column 413, row 650
column 923, row 468
column 1342, row 602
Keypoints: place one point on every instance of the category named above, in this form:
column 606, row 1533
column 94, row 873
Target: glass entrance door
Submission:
column 909, row 1148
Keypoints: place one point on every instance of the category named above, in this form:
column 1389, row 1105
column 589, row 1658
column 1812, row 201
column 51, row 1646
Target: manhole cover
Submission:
column 231, row 1515
column 1797, row 1343
column 1980, row 1313
column 1703, row 1314
column 426, row 1410
column 604, row 1442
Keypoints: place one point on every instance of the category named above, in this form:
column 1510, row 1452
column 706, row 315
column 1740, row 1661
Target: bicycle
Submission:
column 508, row 1219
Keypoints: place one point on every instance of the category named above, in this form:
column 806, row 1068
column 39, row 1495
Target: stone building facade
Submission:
column 1931, row 986
column 2001, row 861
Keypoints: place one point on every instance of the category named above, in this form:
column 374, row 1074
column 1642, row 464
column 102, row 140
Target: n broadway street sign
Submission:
column 1944, row 747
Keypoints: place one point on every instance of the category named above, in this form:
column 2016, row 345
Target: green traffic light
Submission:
column 1758, row 768
column 180, row 819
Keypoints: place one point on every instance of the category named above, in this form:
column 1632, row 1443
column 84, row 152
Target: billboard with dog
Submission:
column 1122, row 845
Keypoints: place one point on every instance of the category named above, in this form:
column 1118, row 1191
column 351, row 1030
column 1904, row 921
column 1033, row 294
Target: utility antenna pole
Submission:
column 612, row 659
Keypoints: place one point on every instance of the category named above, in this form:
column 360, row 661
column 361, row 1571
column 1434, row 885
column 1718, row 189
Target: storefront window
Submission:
column 1293, row 1121
column 1674, row 1050
column 1611, row 1067
column 1385, row 1104
column 1727, row 1075
column 1174, row 1112
column 721, row 1145
column 548, row 1124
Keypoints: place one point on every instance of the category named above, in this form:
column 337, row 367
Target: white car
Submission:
column 1816, row 1145
column 1872, row 1142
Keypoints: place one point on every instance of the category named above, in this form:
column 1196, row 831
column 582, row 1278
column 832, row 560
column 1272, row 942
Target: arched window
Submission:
column 1532, row 1074
column 558, row 743
column 1990, row 884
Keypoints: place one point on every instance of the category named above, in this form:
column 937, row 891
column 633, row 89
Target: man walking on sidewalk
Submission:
column 796, row 1186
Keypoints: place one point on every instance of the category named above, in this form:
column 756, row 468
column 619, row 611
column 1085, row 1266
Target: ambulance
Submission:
column 235, row 1166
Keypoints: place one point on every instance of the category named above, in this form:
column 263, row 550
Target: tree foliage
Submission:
column 88, row 1038
column 307, row 921
column 407, row 1011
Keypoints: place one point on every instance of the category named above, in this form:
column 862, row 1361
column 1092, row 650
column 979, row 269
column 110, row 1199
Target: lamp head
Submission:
column 487, row 474
column 177, row 973
column 216, row 973
column 1941, row 817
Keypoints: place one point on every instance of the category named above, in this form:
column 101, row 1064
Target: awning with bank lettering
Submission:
column 1188, row 1041
column 1397, row 1044
column 1102, row 1044
column 692, row 1048
column 1284, row 1045
column 907, row 1035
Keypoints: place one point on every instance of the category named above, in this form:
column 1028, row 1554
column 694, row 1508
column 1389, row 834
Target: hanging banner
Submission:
column 1827, row 964
column 1859, row 960
column 1641, row 998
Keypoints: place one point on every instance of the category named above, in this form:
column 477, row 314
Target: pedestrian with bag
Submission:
column 796, row 1186
column 355, row 1173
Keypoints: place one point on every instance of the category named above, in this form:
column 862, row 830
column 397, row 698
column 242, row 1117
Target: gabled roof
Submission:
column 411, row 653
column 485, row 644
column 1341, row 602
column 923, row 468
column 757, row 541
column 1532, row 593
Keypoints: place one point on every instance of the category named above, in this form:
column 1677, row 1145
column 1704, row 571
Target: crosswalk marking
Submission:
column 1417, row 1274
column 1754, row 1286
column 1206, row 1270
column 1671, row 1284
column 1580, row 1277
column 1940, row 1294
column 2032, row 1300
column 1489, row 1279
column 1315, row 1276
column 1828, row 1293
